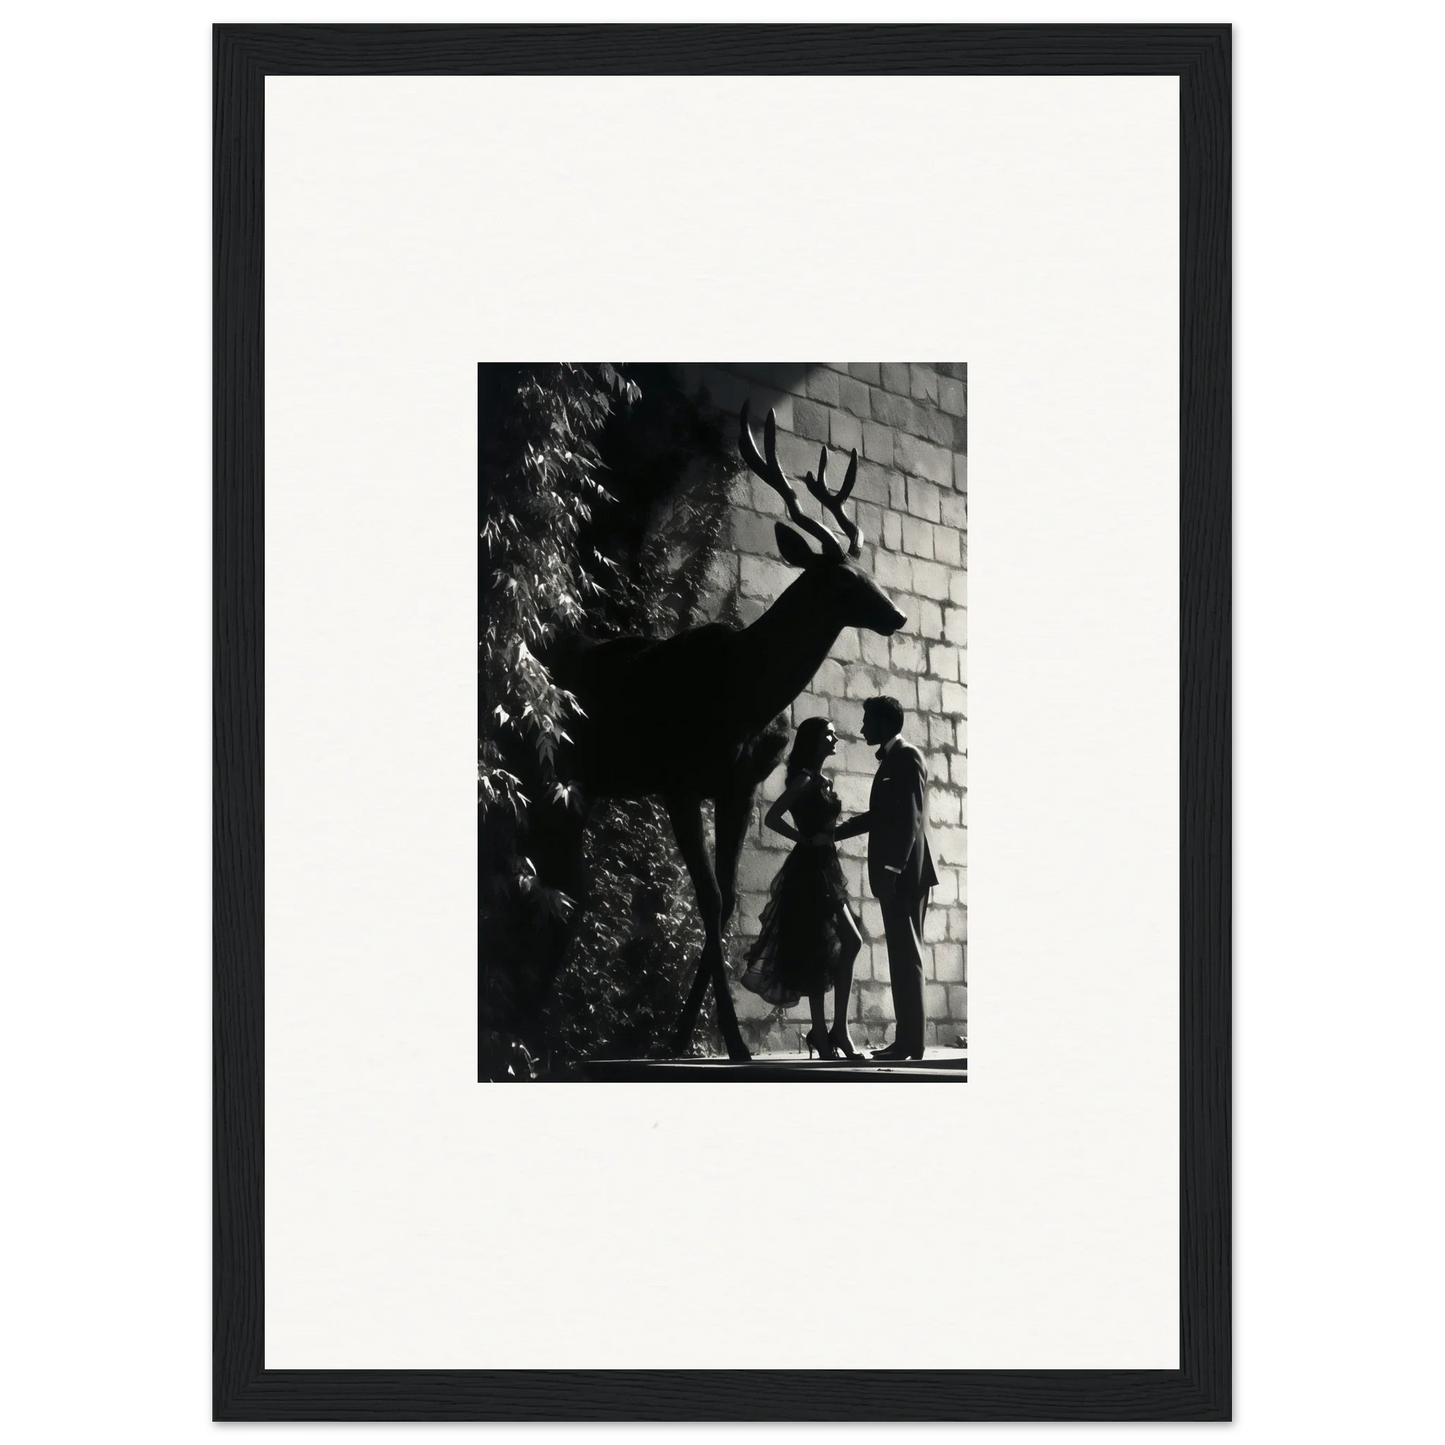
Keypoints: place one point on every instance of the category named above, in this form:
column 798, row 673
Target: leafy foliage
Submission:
column 619, row 991
column 602, row 500
column 538, row 490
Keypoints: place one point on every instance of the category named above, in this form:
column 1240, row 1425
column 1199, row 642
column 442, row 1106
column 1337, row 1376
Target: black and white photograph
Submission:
column 723, row 722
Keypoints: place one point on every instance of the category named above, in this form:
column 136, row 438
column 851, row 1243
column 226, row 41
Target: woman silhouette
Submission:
column 809, row 936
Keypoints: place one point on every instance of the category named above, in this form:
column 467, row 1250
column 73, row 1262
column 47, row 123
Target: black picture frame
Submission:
column 243, row 1389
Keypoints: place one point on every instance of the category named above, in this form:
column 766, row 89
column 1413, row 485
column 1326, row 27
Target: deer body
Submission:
column 683, row 717
column 668, row 714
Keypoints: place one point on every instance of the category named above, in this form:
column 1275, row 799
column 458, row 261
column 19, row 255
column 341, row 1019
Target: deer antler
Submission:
column 833, row 501
column 773, row 475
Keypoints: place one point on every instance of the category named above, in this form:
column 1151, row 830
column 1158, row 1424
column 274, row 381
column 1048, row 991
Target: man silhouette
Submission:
column 900, row 865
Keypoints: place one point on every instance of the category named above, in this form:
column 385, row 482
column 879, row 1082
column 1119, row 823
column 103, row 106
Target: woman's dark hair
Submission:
column 807, row 747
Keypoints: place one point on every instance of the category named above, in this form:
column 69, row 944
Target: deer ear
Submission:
column 793, row 548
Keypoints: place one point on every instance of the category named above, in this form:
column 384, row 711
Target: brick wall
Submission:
column 909, row 424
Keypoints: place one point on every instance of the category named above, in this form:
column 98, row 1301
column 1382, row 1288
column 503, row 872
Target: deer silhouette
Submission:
column 685, row 718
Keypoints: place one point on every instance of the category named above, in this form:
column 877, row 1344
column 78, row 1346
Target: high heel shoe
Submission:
column 822, row 1043
column 844, row 1046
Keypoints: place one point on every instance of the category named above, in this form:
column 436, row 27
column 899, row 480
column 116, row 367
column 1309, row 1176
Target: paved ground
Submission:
column 938, row 1066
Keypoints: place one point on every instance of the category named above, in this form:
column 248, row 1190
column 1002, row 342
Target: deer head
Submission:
column 843, row 587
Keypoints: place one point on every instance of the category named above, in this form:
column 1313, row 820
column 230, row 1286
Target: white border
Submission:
column 414, row 227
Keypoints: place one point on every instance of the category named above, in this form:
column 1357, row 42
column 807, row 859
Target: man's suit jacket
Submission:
column 897, row 825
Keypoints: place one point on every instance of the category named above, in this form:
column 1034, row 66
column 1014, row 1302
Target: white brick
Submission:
column 923, row 500
column 748, row 918
column 847, row 717
column 947, row 546
column 877, row 1002
column 930, row 695
column 891, row 569
column 752, row 532
column 809, row 704
column 874, row 647
column 846, row 433
column 877, row 441
column 955, row 699
column 918, row 537
column 955, row 625
column 958, row 588
column 943, row 661
column 930, row 579
column 869, row 519
column 953, row 510
column 928, row 617
column 797, row 455
column 907, row 653
column 853, row 392
column 923, row 383
column 874, row 484
column 853, row 790
column 923, row 459
column 821, row 384
column 756, row 869
column 828, row 680
column 946, row 892
column 763, row 577
column 951, row 844
column 944, row 807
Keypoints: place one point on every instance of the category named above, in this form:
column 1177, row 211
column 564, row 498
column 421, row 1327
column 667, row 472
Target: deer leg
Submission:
column 686, row 816
column 687, row 1020
column 732, row 814
column 732, row 811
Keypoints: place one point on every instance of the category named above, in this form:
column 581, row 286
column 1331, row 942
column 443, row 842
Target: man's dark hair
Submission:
column 887, row 710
